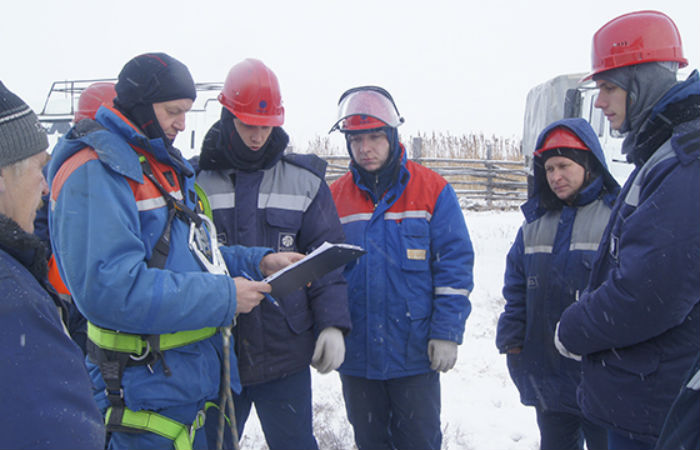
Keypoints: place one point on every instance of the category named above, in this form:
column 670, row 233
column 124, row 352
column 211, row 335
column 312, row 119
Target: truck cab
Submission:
column 565, row 96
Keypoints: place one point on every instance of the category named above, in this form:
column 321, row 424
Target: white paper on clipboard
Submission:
column 323, row 259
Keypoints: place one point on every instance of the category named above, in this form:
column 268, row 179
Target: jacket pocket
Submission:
column 516, row 370
column 282, row 228
column 418, row 308
column 300, row 321
column 415, row 244
column 418, row 315
column 639, row 360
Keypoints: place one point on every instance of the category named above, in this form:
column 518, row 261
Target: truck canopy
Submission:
column 62, row 102
column 564, row 96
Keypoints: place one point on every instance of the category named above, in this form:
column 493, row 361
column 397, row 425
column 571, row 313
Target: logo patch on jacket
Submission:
column 531, row 282
column 415, row 253
column 286, row 242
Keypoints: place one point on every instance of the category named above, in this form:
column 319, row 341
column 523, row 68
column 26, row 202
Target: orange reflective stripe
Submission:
column 147, row 195
column 55, row 277
column 68, row 167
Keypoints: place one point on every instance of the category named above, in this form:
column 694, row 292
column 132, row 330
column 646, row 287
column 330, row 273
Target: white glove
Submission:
column 562, row 350
column 442, row 354
column 330, row 350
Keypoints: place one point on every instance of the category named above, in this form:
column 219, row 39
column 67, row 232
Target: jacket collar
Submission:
column 117, row 154
column 680, row 104
column 25, row 247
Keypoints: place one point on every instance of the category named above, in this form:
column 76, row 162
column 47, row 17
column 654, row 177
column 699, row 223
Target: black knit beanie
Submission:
column 580, row 157
column 147, row 79
column 21, row 134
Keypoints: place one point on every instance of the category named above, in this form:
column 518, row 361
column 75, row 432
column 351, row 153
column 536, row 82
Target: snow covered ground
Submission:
column 480, row 405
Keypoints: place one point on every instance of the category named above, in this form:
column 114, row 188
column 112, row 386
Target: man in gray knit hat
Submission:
column 45, row 372
column 21, row 134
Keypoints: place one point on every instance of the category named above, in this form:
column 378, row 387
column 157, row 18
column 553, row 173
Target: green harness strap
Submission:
column 203, row 201
column 135, row 344
column 133, row 348
column 181, row 435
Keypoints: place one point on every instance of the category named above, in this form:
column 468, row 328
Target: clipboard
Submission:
column 325, row 258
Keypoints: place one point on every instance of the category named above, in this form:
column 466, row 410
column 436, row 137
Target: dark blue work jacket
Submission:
column 546, row 269
column 287, row 206
column 637, row 325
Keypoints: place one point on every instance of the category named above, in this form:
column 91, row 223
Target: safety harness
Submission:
column 145, row 421
column 113, row 351
column 203, row 204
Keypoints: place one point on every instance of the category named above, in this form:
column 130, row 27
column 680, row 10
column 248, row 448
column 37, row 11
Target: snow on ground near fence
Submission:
column 480, row 405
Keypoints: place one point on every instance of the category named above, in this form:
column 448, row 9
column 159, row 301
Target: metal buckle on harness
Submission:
column 113, row 396
column 198, row 423
column 203, row 243
column 143, row 355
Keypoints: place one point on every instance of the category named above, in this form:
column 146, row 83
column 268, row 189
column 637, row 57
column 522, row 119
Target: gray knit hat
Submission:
column 21, row 134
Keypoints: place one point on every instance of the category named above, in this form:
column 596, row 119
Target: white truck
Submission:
column 564, row 96
column 62, row 100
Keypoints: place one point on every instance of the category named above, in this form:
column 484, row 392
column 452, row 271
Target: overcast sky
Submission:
column 452, row 66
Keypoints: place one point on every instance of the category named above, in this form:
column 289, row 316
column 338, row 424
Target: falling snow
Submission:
column 480, row 405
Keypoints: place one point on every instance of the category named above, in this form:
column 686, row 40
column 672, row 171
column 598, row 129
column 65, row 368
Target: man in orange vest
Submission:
column 90, row 100
column 143, row 267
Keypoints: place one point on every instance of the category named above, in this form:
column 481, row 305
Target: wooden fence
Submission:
column 494, row 182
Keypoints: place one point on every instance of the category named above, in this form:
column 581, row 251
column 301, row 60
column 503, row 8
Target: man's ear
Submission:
column 2, row 180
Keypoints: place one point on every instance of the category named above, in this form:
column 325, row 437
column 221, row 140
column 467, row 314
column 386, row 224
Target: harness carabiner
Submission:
column 143, row 355
column 203, row 243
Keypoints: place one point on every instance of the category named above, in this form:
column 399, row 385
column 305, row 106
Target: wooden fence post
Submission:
column 482, row 179
column 489, row 179
column 417, row 149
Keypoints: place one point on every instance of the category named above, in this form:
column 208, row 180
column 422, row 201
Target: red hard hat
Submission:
column 635, row 38
column 361, row 122
column 366, row 108
column 252, row 93
column 94, row 96
column 561, row 137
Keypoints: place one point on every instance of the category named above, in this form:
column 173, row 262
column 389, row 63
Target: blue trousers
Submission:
column 620, row 441
column 284, row 409
column 400, row 413
column 564, row 431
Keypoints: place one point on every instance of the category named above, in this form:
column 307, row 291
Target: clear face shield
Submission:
column 367, row 101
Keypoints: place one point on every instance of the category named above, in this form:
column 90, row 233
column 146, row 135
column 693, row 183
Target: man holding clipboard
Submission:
column 261, row 196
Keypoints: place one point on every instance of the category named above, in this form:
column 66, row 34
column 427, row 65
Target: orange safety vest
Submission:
column 55, row 277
